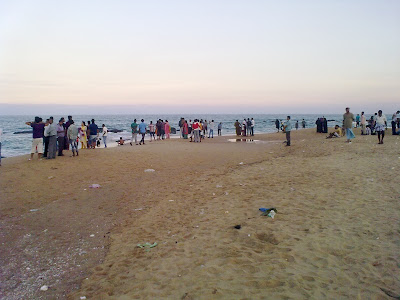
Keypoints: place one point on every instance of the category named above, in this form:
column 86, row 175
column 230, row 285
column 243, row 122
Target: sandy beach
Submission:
column 335, row 236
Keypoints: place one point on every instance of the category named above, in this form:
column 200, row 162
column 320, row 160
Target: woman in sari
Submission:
column 238, row 128
column 167, row 129
column 82, row 135
column 185, row 129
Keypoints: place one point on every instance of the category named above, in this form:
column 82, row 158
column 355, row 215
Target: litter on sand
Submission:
column 241, row 163
column 269, row 212
column 95, row 186
column 237, row 226
column 220, row 186
column 149, row 170
column 147, row 245
column 44, row 288
column 35, row 209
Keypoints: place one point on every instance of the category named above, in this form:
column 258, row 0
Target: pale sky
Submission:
column 264, row 56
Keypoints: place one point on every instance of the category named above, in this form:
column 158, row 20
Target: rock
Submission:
column 113, row 130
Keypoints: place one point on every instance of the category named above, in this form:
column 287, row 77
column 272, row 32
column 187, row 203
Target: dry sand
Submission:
column 335, row 236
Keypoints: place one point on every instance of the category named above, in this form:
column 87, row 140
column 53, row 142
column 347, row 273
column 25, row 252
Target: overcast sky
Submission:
column 220, row 56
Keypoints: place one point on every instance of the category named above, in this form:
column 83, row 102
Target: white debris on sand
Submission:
column 95, row 186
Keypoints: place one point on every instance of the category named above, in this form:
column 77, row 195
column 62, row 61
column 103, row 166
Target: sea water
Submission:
column 20, row 144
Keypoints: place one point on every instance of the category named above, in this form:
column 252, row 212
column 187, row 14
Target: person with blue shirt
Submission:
column 288, row 127
column 142, row 130
column 134, row 127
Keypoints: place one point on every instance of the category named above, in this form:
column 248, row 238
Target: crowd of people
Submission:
column 50, row 139
column 375, row 125
column 246, row 128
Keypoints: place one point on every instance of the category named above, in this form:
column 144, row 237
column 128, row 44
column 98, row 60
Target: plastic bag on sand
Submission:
column 95, row 186
column 269, row 212
column 149, row 170
column 147, row 245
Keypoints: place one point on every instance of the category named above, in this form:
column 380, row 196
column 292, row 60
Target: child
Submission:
column 121, row 141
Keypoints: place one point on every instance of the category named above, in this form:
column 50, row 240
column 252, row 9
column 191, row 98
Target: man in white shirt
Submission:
column 105, row 131
column 380, row 126
column 211, row 129
column 363, row 123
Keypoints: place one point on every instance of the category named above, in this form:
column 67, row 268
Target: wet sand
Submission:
column 336, row 233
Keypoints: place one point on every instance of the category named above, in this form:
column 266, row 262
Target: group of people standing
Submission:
column 50, row 139
column 161, row 129
column 197, row 130
column 377, row 124
column 322, row 125
column 246, row 128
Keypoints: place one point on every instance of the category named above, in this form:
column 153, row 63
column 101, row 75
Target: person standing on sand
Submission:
column 324, row 125
column 248, row 126
column 158, row 129
column 60, row 136
column 152, row 130
column 303, row 123
column 66, row 125
column 105, row 133
column 394, row 122
column 94, row 131
column 380, row 126
column 196, row 131
column 162, row 129
column 205, row 128
column 72, row 134
column 52, row 132
column 358, row 118
column 237, row 127
column 277, row 124
column 253, row 123
column 83, row 136
column 211, row 131
column 185, row 129
column 287, row 128
column 46, row 139
column 296, row 125
column 180, row 124
column 190, row 127
column 244, row 125
column 167, row 129
column 142, row 130
column 348, row 119
column 363, row 123
column 134, row 127
column 220, row 128
column 37, row 141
